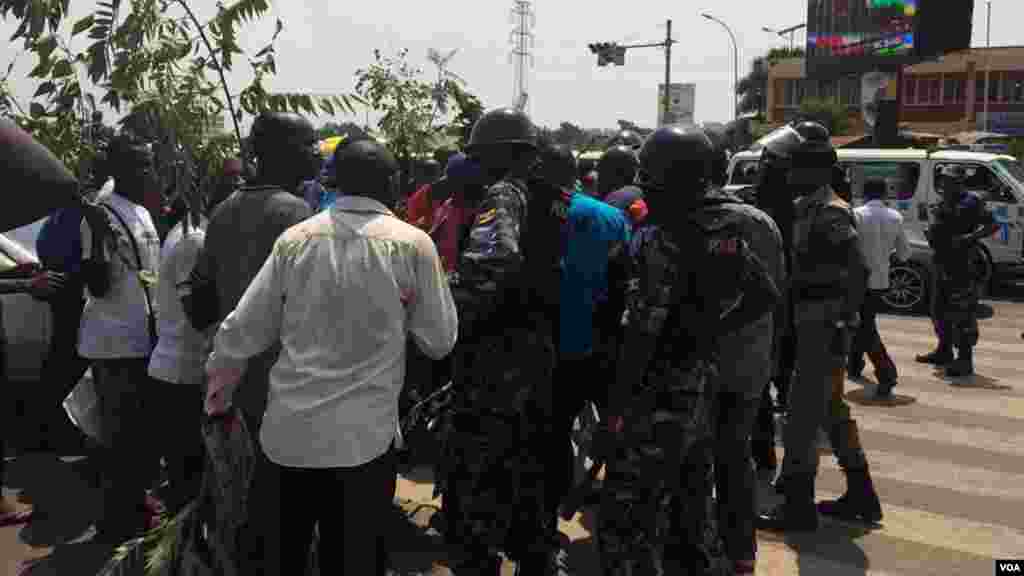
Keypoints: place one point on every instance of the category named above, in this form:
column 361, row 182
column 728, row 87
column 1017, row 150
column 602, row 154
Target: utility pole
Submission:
column 667, row 104
column 988, row 61
column 522, row 39
column 613, row 53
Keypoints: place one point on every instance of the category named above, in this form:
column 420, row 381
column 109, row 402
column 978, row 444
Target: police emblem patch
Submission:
column 487, row 216
column 724, row 247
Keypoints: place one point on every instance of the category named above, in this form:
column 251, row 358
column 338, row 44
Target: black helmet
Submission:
column 803, row 150
column 502, row 126
column 626, row 138
column 618, row 166
column 675, row 155
column 720, row 159
column 558, row 165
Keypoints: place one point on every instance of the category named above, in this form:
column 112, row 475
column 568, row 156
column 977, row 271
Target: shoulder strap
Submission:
column 150, row 315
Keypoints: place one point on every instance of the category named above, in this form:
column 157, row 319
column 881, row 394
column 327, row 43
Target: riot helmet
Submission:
column 617, row 167
column 802, row 151
column 506, row 126
column 558, row 166
column 720, row 157
column 676, row 157
column 626, row 138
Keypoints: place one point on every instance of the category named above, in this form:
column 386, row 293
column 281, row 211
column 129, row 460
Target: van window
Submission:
column 983, row 181
column 900, row 178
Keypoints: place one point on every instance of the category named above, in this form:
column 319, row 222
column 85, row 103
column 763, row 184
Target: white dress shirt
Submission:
column 116, row 325
column 881, row 232
column 179, row 354
column 341, row 291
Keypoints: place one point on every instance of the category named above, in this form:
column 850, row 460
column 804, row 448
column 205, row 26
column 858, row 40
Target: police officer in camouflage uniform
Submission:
column 507, row 290
column 828, row 283
column 692, row 278
column 958, row 223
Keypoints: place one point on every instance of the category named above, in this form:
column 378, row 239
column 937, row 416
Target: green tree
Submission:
column 417, row 116
column 153, row 59
column 829, row 113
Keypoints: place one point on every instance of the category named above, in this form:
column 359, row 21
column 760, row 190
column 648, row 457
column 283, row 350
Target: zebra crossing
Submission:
column 947, row 458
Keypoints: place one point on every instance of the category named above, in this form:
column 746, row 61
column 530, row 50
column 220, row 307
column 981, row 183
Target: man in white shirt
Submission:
column 174, row 403
column 881, row 234
column 120, row 258
column 341, row 292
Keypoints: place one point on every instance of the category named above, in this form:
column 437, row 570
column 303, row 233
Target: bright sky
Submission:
column 325, row 42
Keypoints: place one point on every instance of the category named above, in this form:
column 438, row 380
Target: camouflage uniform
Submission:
column 955, row 298
column 494, row 482
column 657, row 497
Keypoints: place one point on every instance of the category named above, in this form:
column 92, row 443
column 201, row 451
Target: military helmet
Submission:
column 502, row 126
column 626, row 138
column 803, row 150
column 618, row 160
column 720, row 158
column 675, row 155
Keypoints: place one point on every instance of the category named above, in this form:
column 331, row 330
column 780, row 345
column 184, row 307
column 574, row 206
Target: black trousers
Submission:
column 348, row 504
column 63, row 367
column 173, row 412
column 869, row 341
column 734, row 477
column 577, row 381
column 127, row 462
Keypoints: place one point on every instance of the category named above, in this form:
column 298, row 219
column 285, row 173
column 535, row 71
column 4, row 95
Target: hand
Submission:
column 219, row 388
column 46, row 283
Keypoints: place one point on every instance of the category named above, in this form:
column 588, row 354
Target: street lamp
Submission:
column 735, row 63
column 791, row 31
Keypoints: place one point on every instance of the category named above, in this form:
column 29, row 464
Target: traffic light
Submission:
column 608, row 53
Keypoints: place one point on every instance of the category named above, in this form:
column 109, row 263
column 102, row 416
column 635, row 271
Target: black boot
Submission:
column 940, row 356
column 797, row 513
column 963, row 366
column 859, row 504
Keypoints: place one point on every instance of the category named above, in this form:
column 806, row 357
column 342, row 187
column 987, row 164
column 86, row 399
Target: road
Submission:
column 947, row 458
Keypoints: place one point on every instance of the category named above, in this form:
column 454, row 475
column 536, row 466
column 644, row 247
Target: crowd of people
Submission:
column 302, row 298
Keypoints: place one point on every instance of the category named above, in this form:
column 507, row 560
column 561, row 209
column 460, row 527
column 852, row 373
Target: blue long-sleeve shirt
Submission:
column 591, row 233
column 59, row 244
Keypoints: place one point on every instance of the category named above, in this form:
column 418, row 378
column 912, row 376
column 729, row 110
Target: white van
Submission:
column 910, row 176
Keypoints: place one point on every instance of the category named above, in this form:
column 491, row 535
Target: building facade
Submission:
column 945, row 96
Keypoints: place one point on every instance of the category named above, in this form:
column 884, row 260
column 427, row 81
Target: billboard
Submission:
column 855, row 36
column 683, row 99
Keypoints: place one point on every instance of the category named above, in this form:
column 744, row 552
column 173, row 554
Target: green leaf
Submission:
column 42, row 69
column 82, row 25
column 44, row 89
column 36, row 110
column 62, row 69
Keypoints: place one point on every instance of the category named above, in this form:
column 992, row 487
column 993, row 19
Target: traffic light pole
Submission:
column 605, row 52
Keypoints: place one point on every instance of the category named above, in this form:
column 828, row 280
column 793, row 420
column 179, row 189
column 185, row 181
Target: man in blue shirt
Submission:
column 593, row 233
column 59, row 248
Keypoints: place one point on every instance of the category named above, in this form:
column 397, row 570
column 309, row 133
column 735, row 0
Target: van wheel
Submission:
column 908, row 288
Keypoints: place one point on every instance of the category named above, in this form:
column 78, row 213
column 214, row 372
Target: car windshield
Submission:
column 1013, row 170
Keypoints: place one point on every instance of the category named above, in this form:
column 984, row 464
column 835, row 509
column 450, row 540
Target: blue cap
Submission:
column 461, row 169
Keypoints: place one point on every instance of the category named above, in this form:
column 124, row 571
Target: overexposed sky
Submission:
column 325, row 42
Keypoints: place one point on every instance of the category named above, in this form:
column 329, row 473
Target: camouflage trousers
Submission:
column 954, row 309
column 656, row 511
column 494, row 480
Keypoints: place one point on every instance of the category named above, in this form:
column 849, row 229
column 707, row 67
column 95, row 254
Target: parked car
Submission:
column 26, row 321
column 910, row 178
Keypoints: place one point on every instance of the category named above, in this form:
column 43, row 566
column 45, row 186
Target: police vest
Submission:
column 686, row 280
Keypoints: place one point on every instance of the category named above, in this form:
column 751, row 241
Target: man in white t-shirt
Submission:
column 120, row 256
